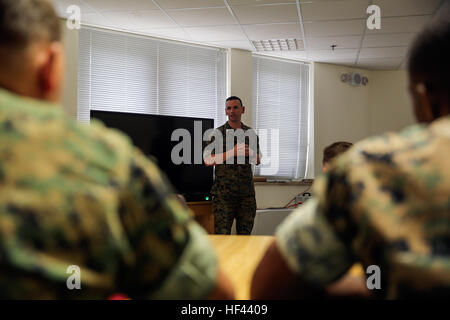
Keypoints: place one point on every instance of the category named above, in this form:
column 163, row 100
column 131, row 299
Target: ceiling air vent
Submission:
column 279, row 45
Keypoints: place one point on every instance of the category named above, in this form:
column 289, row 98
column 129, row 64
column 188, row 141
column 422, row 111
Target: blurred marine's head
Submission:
column 332, row 151
column 31, row 53
column 429, row 68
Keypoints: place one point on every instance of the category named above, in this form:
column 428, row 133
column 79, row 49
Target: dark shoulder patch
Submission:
column 397, row 194
column 440, row 245
column 337, row 206
column 399, row 245
column 378, row 157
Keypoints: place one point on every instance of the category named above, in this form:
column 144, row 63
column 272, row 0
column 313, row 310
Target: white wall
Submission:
column 389, row 101
column 347, row 113
column 240, row 80
column 341, row 111
column 276, row 196
column 70, row 91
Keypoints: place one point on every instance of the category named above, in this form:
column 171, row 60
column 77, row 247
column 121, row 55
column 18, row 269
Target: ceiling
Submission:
column 235, row 23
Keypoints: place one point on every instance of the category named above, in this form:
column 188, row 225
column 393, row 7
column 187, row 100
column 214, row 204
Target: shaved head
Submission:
column 31, row 56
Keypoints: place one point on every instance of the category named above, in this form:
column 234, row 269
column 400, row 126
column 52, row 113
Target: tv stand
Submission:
column 203, row 214
column 197, row 197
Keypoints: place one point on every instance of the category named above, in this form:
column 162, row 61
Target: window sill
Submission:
column 260, row 181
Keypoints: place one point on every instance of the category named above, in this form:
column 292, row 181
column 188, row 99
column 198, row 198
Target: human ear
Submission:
column 50, row 72
column 423, row 103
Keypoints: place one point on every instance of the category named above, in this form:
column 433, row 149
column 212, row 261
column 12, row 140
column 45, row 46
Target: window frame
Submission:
column 309, row 158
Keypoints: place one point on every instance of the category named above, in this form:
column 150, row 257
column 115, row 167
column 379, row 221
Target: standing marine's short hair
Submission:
column 335, row 149
column 25, row 21
column 234, row 98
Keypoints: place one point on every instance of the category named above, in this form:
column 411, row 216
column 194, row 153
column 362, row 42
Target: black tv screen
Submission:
column 152, row 135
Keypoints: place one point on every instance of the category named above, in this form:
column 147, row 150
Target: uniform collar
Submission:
column 243, row 126
column 10, row 99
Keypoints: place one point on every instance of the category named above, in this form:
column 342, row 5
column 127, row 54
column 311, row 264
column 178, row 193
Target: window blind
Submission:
column 281, row 102
column 131, row 73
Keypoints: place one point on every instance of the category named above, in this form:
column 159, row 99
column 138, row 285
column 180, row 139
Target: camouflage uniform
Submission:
column 82, row 195
column 233, row 191
column 386, row 202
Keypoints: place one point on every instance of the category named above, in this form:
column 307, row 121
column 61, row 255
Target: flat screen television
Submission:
column 152, row 135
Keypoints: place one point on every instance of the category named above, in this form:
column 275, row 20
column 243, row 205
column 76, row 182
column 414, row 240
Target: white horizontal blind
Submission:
column 281, row 101
column 129, row 73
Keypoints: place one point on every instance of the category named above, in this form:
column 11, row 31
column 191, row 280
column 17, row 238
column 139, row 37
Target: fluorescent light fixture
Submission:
column 279, row 45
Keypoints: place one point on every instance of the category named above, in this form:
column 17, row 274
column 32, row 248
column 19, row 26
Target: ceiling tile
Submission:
column 171, row 33
column 336, row 10
column 140, row 19
column 277, row 54
column 120, row 5
column 401, row 24
column 349, row 42
column 380, row 64
column 387, row 40
column 330, row 55
column 257, row 2
column 244, row 45
column 181, row 4
column 96, row 19
column 202, row 17
column 388, row 52
column 406, row 7
column 334, row 28
column 344, row 62
column 266, row 14
column 216, row 33
column 309, row 1
column 296, row 55
column 273, row 31
column 61, row 6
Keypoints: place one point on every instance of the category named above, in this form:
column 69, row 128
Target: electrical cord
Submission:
column 288, row 205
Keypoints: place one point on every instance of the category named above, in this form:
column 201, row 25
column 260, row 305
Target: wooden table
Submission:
column 238, row 257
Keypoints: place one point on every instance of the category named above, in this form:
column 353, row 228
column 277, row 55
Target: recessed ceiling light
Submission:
column 279, row 45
